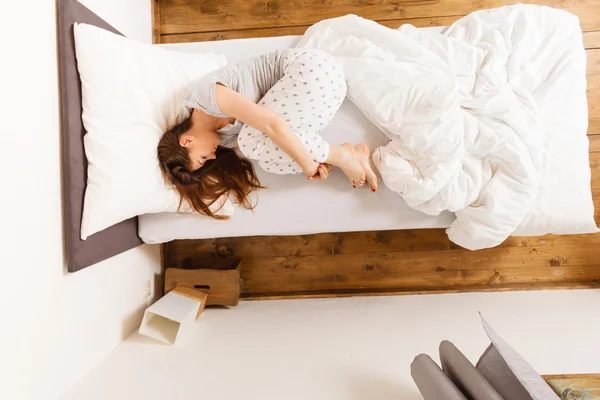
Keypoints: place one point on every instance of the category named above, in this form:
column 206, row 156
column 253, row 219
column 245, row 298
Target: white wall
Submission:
column 345, row 349
column 54, row 326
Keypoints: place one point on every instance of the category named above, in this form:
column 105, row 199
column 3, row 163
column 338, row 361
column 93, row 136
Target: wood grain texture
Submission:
column 294, row 30
column 575, row 387
column 223, row 287
column 386, row 262
column 210, row 19
column 593, row 90
column 594, row 143
column 183, row 16
column 185, row 253
column 591, row 40
column 525, row 266
column 155, row 9
column 594, row 126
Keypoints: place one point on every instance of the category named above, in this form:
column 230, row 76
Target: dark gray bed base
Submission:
column 120, row 237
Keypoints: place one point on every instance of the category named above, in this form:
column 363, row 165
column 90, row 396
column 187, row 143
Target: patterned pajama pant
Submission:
column 307, row 97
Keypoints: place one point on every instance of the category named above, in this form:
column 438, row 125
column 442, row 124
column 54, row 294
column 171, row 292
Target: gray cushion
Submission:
column 431, row 380
column 511, row 376
column 464, row 374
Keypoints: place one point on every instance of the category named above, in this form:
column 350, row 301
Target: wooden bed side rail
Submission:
column 575, row 386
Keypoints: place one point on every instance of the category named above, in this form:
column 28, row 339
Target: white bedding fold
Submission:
column 462, row 110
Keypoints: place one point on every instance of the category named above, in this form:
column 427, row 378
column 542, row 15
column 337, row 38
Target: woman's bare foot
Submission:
column 344, row 157
column 363, row 154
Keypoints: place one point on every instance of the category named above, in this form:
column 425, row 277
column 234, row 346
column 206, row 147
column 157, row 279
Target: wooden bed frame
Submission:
column 384, row 262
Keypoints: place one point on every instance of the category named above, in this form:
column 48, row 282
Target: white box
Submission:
column 169, row 319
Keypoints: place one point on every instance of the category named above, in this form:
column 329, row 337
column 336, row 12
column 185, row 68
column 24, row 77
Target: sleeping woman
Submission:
column 273, row 109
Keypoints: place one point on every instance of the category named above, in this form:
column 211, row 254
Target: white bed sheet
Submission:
column 291, row 205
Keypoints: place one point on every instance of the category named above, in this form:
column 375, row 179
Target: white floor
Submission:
column 350, row 349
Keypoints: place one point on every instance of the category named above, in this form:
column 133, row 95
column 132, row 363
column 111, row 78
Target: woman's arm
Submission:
column 275, row 127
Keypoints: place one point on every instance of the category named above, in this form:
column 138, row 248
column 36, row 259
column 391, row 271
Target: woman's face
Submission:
column 201, row 146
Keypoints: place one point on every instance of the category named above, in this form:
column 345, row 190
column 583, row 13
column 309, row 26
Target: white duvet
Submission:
column 474, row 115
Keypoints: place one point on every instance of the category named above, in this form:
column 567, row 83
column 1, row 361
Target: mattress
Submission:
column 292, row 205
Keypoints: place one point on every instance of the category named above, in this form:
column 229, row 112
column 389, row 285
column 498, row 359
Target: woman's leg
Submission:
column 307, row 97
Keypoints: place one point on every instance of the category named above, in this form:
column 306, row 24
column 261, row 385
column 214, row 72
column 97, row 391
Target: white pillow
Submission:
column 131, row 94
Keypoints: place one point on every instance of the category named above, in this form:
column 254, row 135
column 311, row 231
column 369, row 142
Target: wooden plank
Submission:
column 593, row 90
column 155, row 10
column 591, row 40
column 593, row 62
column 184, row 16
column 272, row 278
column 594, row 143
column 597, row 208
column 568, row 285
column 186, row 252
column 594, row 126
column 373, row 264
column 293, row 30
column 588, row 17
column 578, row 386
column 595, row 169
column 233, row 34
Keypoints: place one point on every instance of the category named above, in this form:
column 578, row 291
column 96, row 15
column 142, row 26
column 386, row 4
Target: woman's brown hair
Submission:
column 228, row 173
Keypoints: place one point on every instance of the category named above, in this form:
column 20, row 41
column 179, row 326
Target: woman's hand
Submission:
column 311, row 169
column 322, row 172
